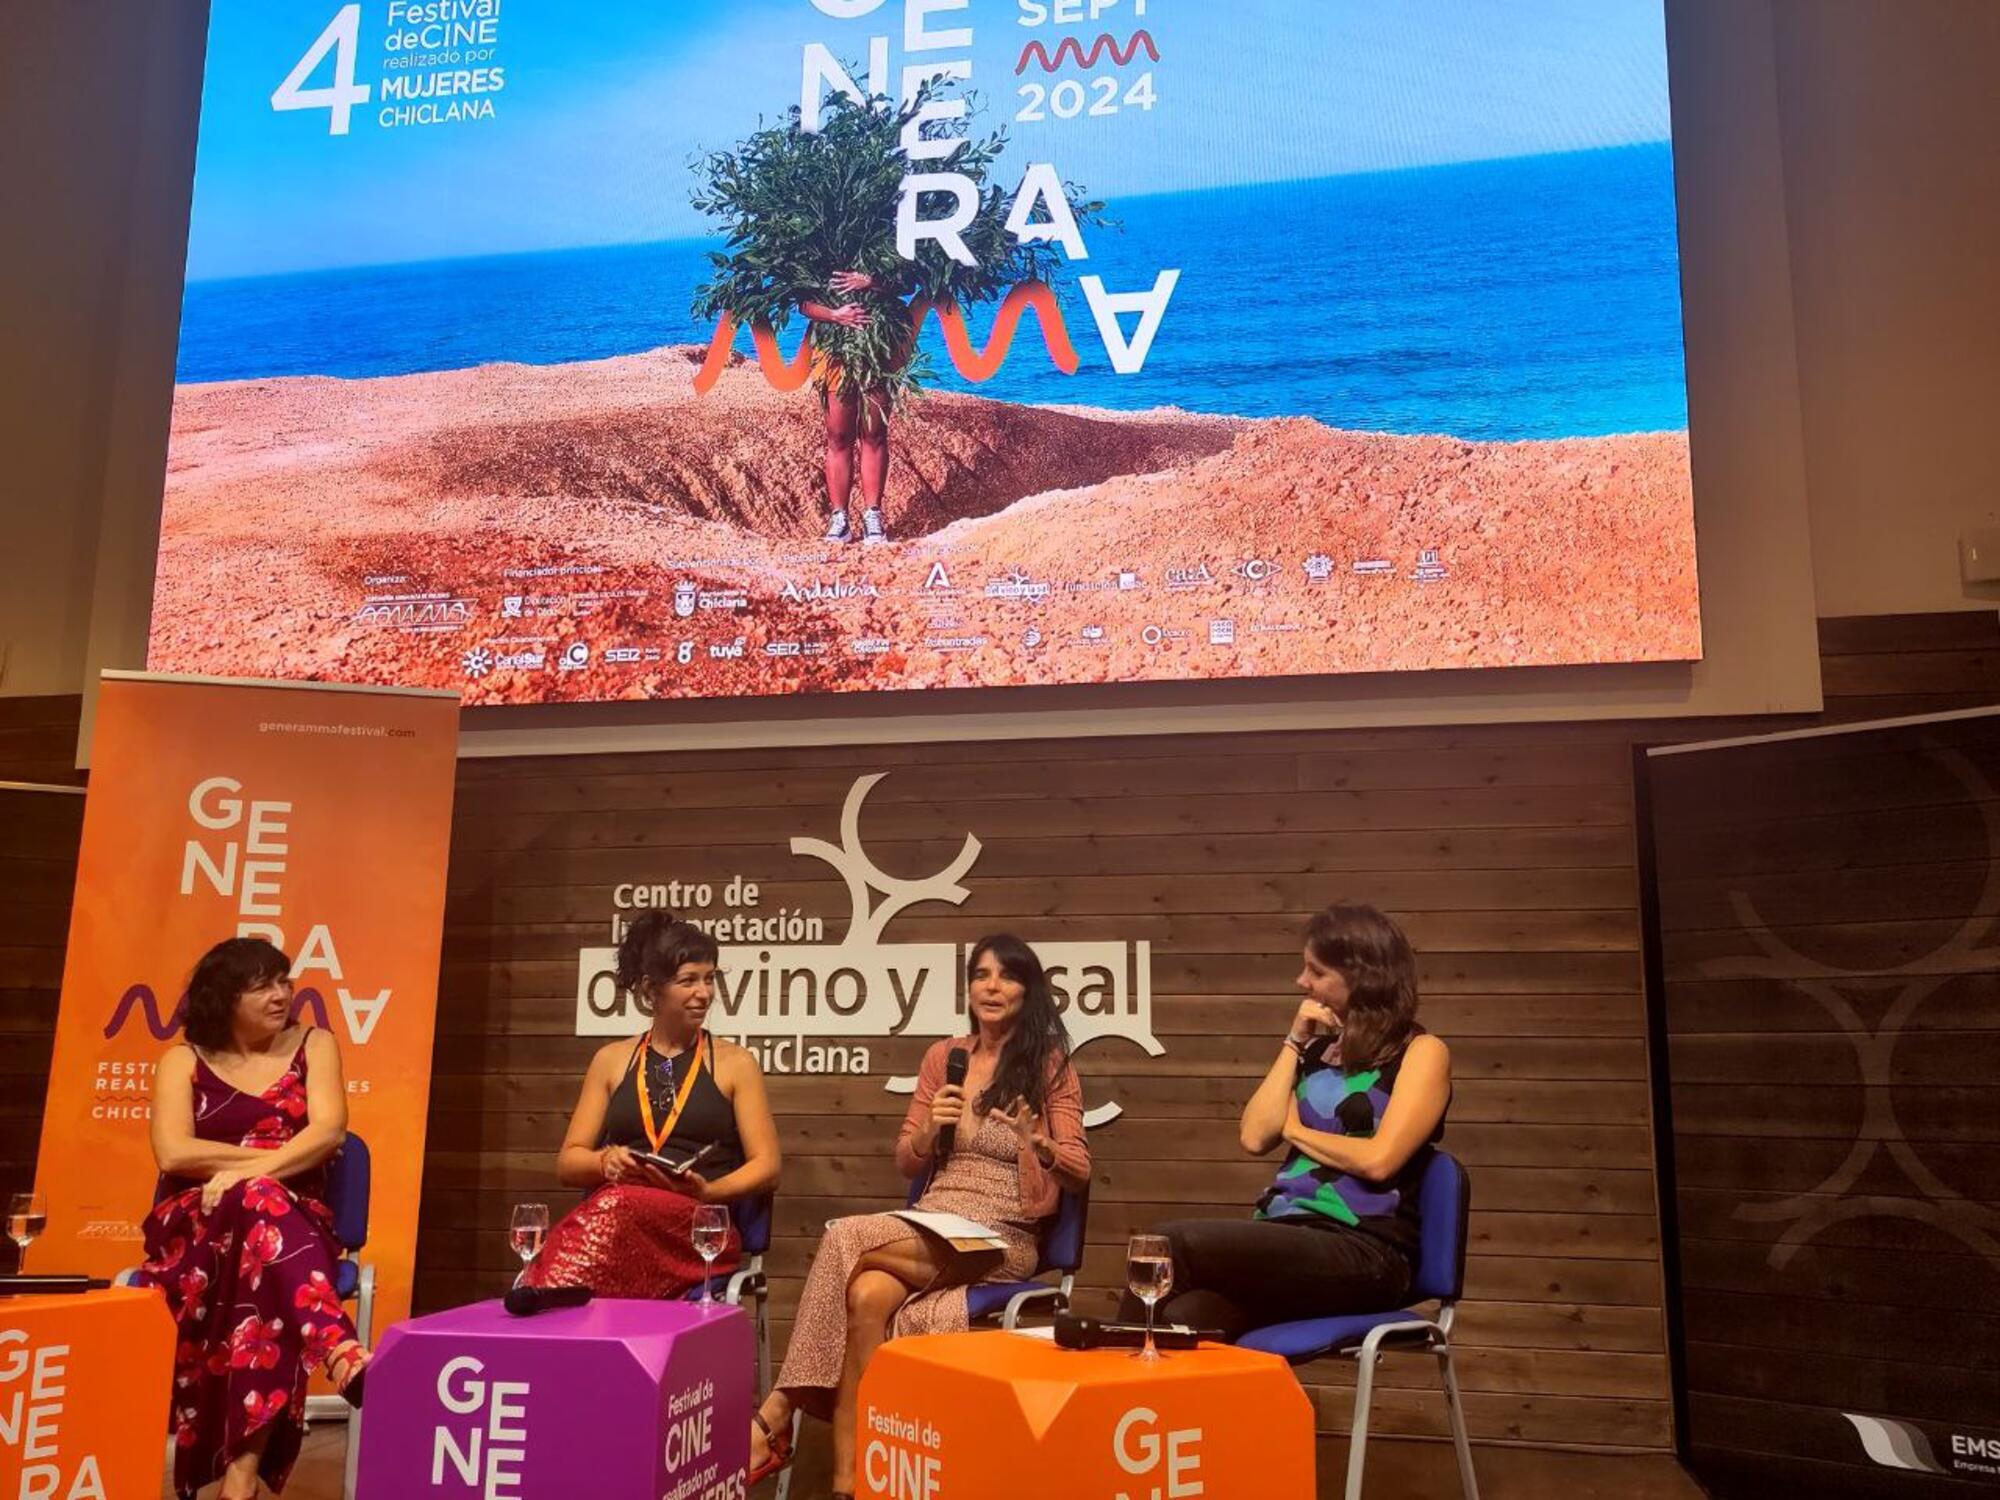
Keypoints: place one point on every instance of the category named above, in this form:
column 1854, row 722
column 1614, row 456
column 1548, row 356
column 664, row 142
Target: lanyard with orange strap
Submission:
column 658, row 1136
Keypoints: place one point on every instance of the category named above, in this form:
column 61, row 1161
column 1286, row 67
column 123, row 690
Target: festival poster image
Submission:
column 734, row 347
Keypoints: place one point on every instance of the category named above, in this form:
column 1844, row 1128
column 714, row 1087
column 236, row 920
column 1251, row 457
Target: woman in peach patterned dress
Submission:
column 245, row 1118
column 1018, row 1122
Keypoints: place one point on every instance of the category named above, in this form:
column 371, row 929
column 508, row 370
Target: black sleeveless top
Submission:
column 708, row 1116
column 1348, row 1101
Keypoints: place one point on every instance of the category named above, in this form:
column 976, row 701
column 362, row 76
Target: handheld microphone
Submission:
column 955, row 1063
column 523, row 1301
column 1075, row 1332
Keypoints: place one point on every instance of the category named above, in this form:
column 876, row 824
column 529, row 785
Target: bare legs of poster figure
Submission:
column 857, row 435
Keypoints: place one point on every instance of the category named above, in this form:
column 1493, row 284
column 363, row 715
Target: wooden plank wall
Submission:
column 39, row 833
column 1506, row 851
column 1830, row 932
column 1509, row 850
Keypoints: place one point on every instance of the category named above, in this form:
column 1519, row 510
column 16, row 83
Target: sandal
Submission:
column 347, row 1368
column 780, row 1456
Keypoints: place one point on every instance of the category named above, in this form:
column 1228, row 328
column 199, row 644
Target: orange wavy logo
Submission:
column 975, row 364
column 1070, row 47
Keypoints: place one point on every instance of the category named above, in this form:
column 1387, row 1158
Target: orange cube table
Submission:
column 981, row 1416
column 84, row 1387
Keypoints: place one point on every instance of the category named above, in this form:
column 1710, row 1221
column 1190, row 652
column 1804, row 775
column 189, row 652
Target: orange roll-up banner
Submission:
column 317, row 817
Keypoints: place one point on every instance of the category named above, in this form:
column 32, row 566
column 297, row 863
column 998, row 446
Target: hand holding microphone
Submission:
column 948, row 1103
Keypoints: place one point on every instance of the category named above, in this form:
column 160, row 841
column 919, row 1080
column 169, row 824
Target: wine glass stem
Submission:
column 1150, row 1352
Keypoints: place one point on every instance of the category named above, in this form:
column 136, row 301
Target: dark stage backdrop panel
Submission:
column 1829, row 1003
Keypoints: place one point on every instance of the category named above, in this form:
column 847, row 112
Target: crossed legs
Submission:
column 880, row 1281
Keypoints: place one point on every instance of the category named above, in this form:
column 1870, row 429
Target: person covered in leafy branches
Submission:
column 811, row 223
column 857, row 415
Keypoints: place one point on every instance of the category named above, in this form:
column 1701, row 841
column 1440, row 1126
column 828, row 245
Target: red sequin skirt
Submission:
column 628, row 1240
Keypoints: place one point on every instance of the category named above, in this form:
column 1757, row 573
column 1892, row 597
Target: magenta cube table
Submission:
column 640, row 1399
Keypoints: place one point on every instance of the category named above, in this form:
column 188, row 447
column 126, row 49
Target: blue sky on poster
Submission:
column 605, row 104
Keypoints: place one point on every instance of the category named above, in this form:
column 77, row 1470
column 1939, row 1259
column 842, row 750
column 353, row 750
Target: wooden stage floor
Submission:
column 1397, row 1470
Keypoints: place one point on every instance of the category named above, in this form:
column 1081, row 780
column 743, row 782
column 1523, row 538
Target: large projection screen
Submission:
column 524, row 345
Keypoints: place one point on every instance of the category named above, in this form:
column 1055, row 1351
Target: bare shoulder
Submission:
column 176, row 1062
column 321, row 1043
column 1429, row 1051
column 733, row 1060
column 612, row 1056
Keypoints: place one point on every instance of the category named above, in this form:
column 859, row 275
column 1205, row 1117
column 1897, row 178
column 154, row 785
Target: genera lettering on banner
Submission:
column 804, row 1005
column 34, row 1387
column 247, row 868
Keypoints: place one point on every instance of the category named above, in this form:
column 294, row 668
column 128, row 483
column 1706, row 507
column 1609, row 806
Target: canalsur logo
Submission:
column 811, row 1007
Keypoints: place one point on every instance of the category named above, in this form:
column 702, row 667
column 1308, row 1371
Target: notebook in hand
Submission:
column 955, row 1230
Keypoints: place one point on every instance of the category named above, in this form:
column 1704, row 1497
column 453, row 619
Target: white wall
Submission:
column 1891, row 140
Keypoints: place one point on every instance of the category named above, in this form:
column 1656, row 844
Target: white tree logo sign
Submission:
column 811, row 1007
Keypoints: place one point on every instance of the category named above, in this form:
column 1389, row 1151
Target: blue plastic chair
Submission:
column 1444, row 1204
column 748, row 1283
column 1060, row 1250
column 349, row 1180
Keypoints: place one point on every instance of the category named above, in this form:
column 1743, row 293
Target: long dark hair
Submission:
column 654, row 948
column 221, row 977
column 1039, row 1044
column 1369, row 951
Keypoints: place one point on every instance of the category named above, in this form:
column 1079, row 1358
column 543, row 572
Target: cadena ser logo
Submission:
column 808, row 1006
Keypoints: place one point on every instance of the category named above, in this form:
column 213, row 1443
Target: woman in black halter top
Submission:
column 671, row 1092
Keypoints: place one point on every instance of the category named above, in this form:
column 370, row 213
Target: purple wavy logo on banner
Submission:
column 141, row 997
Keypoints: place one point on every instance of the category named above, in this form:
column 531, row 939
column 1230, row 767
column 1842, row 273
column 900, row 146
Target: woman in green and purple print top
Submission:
column 1357, row 1096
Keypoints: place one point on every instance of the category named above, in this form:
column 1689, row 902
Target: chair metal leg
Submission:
column 785, row 1479
column 352, row 1467
column 762, row 1329
column 364, row 1327
column 1357, row 1443
column 1467, row 1481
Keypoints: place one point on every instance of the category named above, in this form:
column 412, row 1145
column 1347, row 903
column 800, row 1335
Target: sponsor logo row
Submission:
column 579, row 656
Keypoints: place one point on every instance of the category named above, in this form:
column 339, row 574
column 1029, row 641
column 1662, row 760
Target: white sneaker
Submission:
column 836, row 528
column 872, row 534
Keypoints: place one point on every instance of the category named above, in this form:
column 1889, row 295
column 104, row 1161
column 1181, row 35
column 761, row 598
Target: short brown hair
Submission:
column 1369, row 951
column 654, row 948
column 221, row 977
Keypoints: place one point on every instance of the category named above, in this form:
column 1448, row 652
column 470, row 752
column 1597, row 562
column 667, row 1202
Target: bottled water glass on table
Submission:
column 1149, row 1272
column 27, row 1216
column 529, row 1228
column 711, row 1234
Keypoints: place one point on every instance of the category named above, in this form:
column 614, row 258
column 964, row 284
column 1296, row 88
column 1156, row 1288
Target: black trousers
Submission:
column 1239, row 1274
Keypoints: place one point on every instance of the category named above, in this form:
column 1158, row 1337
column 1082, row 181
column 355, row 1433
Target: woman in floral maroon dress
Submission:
column 245, row 1117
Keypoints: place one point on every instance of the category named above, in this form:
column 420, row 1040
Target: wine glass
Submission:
column 1149, row 1272
column 27, row 1216
column 710, row 1234
column 529, row 1228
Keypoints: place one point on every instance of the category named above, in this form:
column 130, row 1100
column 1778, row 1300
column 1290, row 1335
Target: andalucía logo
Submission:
column 806, row 1006
column 828, row 593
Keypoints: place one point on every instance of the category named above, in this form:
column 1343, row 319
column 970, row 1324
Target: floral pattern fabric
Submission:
column 250, row 1285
